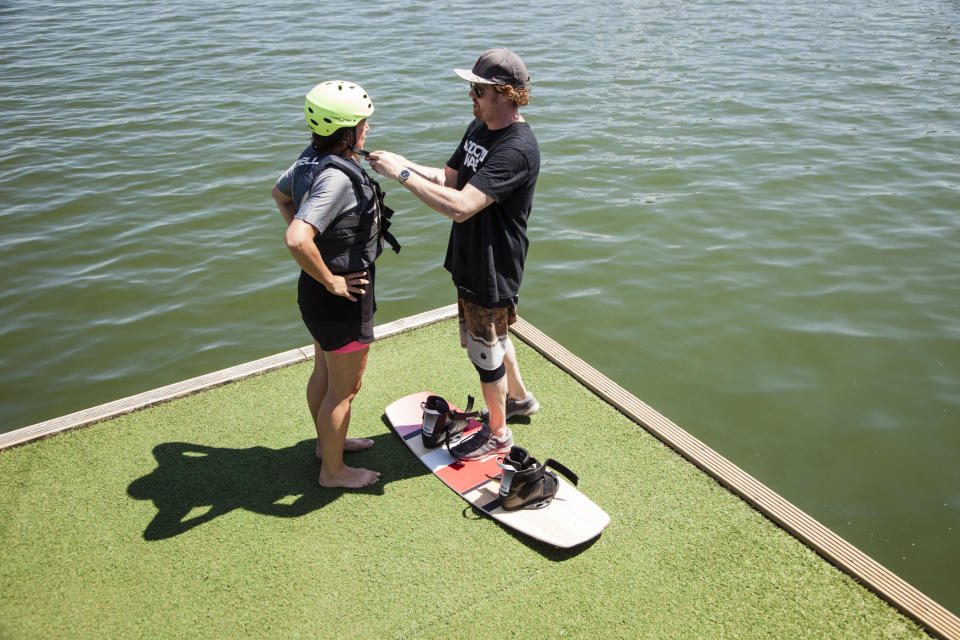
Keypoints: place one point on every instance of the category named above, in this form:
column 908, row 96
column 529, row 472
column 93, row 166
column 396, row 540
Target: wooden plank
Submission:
column 113, row 409
column 415, row 322
column 148, row 398
column 899, row 593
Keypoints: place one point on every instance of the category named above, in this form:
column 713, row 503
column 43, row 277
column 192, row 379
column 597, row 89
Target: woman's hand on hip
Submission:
column 348, row 284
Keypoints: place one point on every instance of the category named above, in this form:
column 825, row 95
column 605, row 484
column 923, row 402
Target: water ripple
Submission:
column 747, row 213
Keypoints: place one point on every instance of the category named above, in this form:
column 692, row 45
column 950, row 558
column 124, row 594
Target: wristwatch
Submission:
column 403, row 176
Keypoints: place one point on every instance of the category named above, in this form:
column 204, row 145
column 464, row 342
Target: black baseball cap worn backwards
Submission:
column 498, row 66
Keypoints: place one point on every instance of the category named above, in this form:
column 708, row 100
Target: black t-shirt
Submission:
column 486, row 253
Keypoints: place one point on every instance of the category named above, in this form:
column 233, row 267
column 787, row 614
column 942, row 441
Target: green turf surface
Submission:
column 202, row 518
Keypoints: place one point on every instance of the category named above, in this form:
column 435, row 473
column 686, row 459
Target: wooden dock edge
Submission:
column 193, row 385
column 890, row 587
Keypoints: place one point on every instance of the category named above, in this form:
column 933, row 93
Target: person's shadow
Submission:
column 212, row 481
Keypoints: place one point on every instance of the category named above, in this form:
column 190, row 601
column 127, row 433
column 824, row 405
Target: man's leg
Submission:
column 480, row 332
column 517, row 400
column 515, row 387
column 495, row 397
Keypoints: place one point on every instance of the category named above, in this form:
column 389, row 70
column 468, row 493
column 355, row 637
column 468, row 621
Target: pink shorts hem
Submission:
column 350, row 348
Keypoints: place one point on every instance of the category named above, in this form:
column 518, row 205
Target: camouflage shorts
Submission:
column 488, row 325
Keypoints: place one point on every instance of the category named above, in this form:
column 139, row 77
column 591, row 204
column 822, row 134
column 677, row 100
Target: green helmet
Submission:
column 336, row 104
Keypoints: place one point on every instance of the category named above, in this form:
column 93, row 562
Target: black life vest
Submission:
column 355, row 238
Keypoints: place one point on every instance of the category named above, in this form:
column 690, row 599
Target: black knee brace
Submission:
column 491, row 375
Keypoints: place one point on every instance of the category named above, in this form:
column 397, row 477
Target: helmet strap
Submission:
column 360, row 152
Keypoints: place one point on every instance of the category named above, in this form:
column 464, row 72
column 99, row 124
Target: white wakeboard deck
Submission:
column 569, row 520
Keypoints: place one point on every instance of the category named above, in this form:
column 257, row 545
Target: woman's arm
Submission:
column 285, row 204
column 299, row 238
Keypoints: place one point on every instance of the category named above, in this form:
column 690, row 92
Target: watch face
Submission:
column 404, row 174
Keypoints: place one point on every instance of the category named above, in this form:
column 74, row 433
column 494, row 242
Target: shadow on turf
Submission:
column 271, row 482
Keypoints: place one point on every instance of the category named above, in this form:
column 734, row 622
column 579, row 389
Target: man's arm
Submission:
column 433, row 174
column 457, row 204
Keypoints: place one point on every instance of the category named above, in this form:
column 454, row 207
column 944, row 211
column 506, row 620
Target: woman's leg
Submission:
column 317, row 385
column 344, row 372
column 316, row 390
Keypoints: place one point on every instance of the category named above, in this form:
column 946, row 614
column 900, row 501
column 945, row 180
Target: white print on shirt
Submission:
column 474, row 154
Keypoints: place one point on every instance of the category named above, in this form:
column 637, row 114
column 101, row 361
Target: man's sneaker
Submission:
column 482, row 445
column 526, row 407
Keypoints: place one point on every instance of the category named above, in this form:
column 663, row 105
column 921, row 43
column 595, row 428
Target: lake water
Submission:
column 748, row 215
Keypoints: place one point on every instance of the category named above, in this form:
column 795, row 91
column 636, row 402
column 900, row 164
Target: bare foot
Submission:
column 349, row 478
column 352, row 444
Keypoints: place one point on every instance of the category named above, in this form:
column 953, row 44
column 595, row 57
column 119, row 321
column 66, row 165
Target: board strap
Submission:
column 570, row 475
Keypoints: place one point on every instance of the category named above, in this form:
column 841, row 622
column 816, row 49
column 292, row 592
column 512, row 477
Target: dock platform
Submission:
column 194, row 511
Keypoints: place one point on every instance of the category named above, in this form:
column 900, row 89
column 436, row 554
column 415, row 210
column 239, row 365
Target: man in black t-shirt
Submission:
column 486, row 188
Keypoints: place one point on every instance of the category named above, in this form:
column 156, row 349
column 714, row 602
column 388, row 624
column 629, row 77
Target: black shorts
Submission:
column 334, row 321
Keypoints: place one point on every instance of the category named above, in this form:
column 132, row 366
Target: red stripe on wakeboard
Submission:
column 464, row 476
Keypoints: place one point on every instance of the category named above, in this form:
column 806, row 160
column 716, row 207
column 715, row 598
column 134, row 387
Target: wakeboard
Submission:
column 570, row 519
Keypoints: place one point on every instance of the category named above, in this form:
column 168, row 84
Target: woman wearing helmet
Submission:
column 336, row 223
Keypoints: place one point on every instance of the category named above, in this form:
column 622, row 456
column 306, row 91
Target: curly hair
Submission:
column 519, row 97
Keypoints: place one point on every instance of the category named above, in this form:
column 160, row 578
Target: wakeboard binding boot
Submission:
column 526, row 484
column 441, row 424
